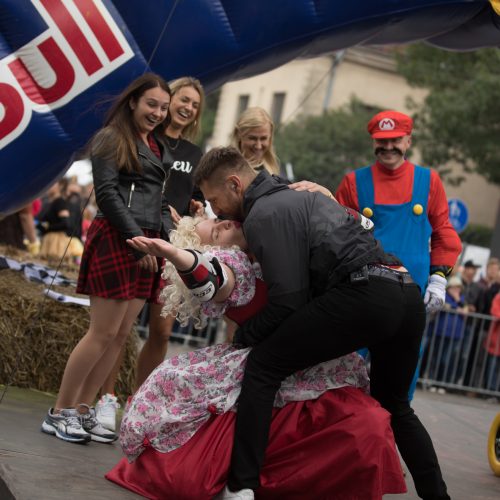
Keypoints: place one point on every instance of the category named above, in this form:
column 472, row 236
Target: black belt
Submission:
column 362, row 274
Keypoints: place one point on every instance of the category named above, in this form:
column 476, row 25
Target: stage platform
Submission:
column 36, row 466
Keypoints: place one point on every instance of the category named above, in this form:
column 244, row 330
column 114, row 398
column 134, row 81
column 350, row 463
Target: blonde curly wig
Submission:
column 175, row 296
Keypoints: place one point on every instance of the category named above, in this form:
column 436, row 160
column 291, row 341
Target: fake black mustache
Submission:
column 384, row 150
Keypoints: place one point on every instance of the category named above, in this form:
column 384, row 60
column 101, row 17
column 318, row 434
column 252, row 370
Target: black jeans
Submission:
column 386, row 316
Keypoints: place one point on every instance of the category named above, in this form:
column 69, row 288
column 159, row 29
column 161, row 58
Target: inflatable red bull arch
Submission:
column 58, row 58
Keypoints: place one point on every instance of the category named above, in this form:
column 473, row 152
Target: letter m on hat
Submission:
column 386, row 124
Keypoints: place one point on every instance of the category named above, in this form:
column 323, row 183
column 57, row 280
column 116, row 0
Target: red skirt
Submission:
column 109, row 269
column 337, row 447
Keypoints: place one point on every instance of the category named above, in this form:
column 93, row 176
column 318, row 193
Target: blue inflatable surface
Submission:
column 61, row 58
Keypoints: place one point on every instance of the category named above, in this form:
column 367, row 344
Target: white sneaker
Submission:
column 96, row 430
column 245, row 494
column 105, row 410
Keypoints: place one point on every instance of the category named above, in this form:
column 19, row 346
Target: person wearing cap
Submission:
column 408, row 206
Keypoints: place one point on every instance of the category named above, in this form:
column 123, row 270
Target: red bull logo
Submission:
column 81, row 46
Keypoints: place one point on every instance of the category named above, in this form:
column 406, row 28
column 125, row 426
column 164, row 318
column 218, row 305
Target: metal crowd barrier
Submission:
column 213, row 333
column 454, row 354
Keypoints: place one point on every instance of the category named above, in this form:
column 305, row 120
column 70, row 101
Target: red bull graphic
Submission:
column 81, row 46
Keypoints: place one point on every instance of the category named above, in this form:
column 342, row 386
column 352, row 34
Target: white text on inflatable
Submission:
column 81, row 46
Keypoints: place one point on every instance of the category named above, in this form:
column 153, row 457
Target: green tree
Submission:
column 460, row 117
column 477, row 234
column 323, row 148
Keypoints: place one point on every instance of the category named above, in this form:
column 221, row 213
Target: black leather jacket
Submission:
column 132, row 201
column 305, row 243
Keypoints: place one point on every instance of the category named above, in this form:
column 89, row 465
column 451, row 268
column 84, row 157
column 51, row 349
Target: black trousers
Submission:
column 389, row 318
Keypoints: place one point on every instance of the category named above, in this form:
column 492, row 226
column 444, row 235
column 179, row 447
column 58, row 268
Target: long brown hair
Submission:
column 117, row 139
column 192, row 131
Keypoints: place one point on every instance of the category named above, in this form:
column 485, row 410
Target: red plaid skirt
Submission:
column 108, row 268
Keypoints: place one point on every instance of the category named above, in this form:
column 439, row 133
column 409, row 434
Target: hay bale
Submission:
column 37, row 334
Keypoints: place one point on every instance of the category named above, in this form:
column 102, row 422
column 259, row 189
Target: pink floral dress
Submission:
column 184, row 391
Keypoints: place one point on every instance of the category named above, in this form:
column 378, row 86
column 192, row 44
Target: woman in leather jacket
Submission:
column 181, row 128
column 130, row 170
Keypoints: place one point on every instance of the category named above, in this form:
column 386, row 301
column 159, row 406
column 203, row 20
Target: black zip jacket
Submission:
column 305, row 243
column 132, row 201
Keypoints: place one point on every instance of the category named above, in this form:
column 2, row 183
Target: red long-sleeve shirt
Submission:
column 394, row 187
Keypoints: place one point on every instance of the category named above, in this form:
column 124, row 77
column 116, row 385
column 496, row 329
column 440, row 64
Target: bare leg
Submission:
column 110, row 383
column 155, row 348
column 109, row 358
column 106, row 316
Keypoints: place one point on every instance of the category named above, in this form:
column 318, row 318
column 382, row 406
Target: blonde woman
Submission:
column 183, row 127
column 177, row 431
column 253, row 136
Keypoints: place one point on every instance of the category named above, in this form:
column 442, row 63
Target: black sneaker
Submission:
column 96, row 430
column 66, row 425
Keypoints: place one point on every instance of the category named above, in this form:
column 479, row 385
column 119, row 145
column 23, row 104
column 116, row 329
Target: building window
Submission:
column 243, row 100
column 277, row 107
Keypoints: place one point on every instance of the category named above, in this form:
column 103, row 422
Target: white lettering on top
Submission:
column 183, row 166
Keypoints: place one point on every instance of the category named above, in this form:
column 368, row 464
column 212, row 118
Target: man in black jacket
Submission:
column 331, row 290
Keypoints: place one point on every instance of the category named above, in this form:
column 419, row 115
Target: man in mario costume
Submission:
column 408, row 206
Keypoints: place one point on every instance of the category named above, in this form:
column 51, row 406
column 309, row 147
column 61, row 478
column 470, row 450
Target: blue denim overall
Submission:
column 403, row 229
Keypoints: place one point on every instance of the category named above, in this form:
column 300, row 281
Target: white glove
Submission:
column 435, row 294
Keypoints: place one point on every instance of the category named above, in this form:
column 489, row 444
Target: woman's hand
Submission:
column 196, row 208
column 175, row 215
column 181, row 259
column 152, row 246
column 312, row 187
column 149, row 263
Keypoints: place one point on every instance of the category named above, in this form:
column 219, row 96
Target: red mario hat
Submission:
column 390, row 124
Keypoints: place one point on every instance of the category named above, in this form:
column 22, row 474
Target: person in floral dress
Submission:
column 178, row 426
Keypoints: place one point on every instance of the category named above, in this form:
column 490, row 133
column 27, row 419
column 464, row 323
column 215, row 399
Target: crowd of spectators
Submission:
column 53, row 226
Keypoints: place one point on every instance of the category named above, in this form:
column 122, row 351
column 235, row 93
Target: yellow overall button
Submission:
column 418, row 209
column 367, row 212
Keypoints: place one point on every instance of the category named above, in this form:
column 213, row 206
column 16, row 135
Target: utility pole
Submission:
column 336, row 60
